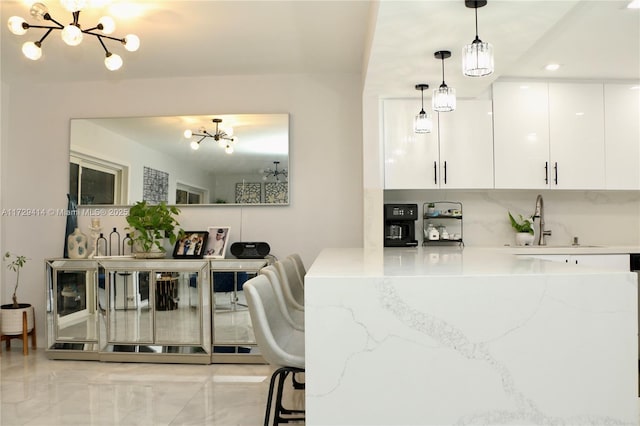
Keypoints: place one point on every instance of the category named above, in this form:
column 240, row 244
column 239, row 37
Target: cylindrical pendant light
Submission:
column 422, row 122
column 477, row 57
column 444, row 97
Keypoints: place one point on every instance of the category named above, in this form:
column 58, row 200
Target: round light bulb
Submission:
column 113, row 62
column 188, row 134
column 229, row 149
column 74, row 5
column 38, row 11
column 108, row 24
column 131, row 42
column 72, row 35
column 194, row 145
column 15, row 25
column 32, row 51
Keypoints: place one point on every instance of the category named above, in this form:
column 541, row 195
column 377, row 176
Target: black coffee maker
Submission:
column 400, row 225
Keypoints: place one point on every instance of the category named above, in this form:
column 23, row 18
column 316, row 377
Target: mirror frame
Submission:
column 261, row 146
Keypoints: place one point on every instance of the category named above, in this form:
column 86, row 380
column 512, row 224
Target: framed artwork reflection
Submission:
column 191, row 246
column 219, row 239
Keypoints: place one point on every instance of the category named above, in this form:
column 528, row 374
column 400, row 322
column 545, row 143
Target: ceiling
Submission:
column 393, row 40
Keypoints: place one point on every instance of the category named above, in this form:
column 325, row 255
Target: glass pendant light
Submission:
column 477, row 57
column 422, row 123
column 444, row 97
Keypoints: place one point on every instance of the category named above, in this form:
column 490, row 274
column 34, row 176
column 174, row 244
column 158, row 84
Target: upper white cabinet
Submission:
column 622, row 135
column 521, row 135
column 458, row 153
column 576, row 135
column 410, row 159
column 466, row 145
column 549, row 135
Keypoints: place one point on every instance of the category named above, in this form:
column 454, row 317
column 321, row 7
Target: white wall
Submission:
column 325, row 160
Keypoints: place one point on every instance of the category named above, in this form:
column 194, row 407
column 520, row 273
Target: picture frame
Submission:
column 216, row 248
column 191, row 246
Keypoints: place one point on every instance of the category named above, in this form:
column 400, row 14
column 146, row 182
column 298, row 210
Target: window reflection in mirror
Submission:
column 124, row 160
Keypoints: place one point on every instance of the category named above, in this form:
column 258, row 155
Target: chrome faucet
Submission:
column 539, row 213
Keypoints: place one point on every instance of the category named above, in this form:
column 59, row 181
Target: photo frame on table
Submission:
column 218, row 241
column 191, row 246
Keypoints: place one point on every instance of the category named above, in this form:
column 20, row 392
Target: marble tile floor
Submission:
column 38, row 391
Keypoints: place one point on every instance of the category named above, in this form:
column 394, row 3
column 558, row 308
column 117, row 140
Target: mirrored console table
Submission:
column 144, row 310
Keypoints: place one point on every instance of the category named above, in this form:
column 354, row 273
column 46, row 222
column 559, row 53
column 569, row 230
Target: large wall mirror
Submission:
column 203, row 159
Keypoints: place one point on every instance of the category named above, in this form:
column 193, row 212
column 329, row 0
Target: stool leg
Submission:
column 25, row 334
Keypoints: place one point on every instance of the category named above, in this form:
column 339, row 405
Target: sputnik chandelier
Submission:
column 72, row 34
column 274, row 173
column 224, row 136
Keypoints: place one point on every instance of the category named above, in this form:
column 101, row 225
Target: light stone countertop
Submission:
column 432, row 261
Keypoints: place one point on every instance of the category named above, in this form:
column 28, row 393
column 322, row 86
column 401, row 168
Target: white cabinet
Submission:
column 576, row 135
column 410, row 159
column 466, row 145
column 622, row 135
column 458, row 153
column 521, row 135
column 614, row 262
column 548, row 135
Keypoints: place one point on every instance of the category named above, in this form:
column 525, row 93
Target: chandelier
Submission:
column 222, row 135
column 275, row 173
column 73, row 33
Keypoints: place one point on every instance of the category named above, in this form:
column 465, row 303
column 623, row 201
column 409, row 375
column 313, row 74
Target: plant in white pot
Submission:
column 11, row 313
column 525, row 231
column 151, row 224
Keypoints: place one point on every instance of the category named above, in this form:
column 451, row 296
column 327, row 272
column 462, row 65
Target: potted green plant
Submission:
column 524, row 228
column 151, row 224
column 11, row 313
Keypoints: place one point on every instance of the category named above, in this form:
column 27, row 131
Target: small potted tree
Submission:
column 151, row 224
column 524, row 228
column 11, row 313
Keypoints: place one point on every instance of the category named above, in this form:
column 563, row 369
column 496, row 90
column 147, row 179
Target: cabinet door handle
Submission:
column 546, row 172
column 555, row 169
column 435, row 172
column 445, row 172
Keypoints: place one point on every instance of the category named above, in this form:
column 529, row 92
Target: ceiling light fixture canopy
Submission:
column 224, row 136
column 73, row 33
column 275, row 173
column 422, row 122
column 444, row 97
column 477, row 57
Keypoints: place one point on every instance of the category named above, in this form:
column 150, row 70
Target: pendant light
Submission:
column 422, row 123
column 477, row 57
column 444, row 97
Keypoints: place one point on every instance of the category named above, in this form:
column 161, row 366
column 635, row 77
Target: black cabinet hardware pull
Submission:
column 435, row 172
column 445, row 172
column 555, row 168
column 546, row 172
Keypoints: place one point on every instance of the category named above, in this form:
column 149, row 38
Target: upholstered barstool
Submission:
column 279, row 342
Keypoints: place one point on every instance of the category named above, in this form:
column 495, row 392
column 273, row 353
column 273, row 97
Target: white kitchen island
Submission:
column 451, row 336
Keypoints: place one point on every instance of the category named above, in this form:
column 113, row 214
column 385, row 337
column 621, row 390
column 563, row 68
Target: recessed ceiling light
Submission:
column 634, row 88
column 552, row 67
column 634, row 4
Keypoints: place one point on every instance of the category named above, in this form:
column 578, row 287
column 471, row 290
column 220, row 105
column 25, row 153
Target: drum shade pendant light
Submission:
column 477, row 57
column 444, row 97
column 422, row 123
column 222, row 135
column 72, row 34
